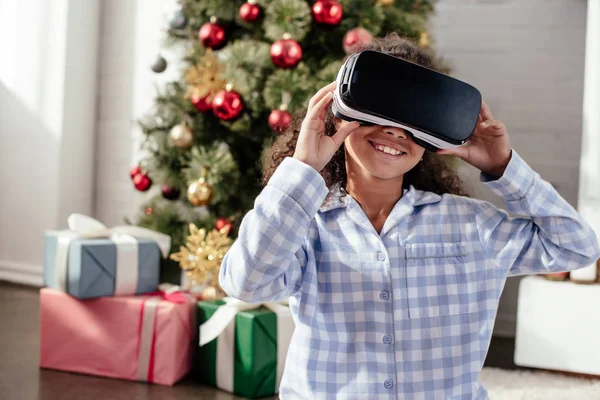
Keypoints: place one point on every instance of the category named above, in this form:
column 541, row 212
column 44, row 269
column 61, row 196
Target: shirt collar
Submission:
column 337, row 198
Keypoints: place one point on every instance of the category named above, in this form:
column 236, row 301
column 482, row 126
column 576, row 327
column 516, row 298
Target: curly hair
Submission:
column 433, row 174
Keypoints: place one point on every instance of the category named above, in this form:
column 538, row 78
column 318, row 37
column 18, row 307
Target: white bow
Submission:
column 212, row 328
column 88, row 227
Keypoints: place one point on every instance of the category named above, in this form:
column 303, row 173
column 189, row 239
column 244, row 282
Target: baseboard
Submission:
column 26, row 274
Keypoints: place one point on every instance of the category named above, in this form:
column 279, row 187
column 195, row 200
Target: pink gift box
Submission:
column 142, row 338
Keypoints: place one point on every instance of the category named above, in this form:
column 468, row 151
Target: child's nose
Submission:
column 397, row 132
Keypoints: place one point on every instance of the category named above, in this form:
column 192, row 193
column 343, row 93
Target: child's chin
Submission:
column 384, row 171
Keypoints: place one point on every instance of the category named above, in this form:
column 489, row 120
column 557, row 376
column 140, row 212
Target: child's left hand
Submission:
column 488, row 149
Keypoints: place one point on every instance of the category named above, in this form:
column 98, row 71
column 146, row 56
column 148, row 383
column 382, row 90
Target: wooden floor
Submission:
column 21, row 379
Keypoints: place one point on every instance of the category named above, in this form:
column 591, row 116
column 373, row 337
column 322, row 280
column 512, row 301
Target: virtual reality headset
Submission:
column 438, row 111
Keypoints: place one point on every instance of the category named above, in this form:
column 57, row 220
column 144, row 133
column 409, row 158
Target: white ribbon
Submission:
column 124, row 237
column 221, row 326
column 146, row 333
column 88, row 227
column 126, row 270
column 61, row 259
column 147, row 330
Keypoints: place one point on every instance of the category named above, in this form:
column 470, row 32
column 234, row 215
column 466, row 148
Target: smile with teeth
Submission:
column 388, row 150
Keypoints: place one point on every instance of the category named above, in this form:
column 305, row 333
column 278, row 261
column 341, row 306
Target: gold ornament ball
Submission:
column 211, row 293
column 181, row 136
column 424, row 39
column 386, row 2
column 199, row 193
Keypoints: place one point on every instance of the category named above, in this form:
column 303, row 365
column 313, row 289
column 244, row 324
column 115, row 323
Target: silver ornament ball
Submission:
column 178, row 20
column 159, row 65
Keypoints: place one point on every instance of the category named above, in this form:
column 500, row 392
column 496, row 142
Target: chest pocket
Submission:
column 439, row 279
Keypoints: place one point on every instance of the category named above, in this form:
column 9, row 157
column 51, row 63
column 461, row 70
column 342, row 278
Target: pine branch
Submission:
column 287, row 16
column 329, row 73
column 241, row 124
column 220, row 169
column 406, row 24
column 226, row 10
column 168, row 217
column 420, row 6
column 256, row 104
column 366, row 13
column 166, row 163
column 295, row 84
column 247, row 62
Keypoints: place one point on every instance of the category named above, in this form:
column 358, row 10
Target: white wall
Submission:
column 527, row 58
column 131, row 38
column 74, row 78
column 47, row 121
column 589, row 178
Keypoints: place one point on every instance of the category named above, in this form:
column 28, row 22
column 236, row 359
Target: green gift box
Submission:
column 242, row 346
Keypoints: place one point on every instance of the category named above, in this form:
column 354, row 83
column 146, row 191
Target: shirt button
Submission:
column 387, row 339
column 381, row 256
column 388, row 384
column 384, row 295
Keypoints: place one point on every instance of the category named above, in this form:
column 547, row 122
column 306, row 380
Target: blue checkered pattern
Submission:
column 407, row 313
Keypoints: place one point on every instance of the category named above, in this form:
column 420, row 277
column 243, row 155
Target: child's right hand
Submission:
column 314, row 147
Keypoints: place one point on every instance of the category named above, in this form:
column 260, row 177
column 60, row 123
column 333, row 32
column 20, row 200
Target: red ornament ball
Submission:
column 249, row 11
column 202, row 104
column 327, row 12
column 280, row 120
column 142, row 182
column 212, row 35
column 222, row 223
column 286, row 53
column 355, row 39
column 169, row 192
column 227, row 105
column 135, row 171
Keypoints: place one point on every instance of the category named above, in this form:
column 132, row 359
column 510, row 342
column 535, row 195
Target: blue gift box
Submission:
column 92, row 264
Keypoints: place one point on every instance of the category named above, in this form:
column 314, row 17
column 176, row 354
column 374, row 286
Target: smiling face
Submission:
column 383, row 152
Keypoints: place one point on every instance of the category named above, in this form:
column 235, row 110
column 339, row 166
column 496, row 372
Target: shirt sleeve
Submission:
column 267, row 260
column 547, row 235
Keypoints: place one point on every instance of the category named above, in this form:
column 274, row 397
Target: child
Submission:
column 393, row 275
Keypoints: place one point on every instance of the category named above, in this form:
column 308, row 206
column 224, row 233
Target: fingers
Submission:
column 318, row 110
column 460, row 152
column 313, row 122
column 486, row 113
column 320, row 94
column 492, row 123
column 343, row 133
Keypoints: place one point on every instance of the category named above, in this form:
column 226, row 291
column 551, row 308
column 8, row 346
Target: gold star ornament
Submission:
column 202, row 255
column 205, row 78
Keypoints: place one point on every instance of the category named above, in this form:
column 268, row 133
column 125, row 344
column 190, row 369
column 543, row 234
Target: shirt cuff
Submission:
column 515, row 183
column 302, row 183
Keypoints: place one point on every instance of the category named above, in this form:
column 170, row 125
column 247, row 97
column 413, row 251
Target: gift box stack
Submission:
column 103, row 312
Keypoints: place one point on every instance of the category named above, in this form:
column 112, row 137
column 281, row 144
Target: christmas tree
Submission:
column 249, row 67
